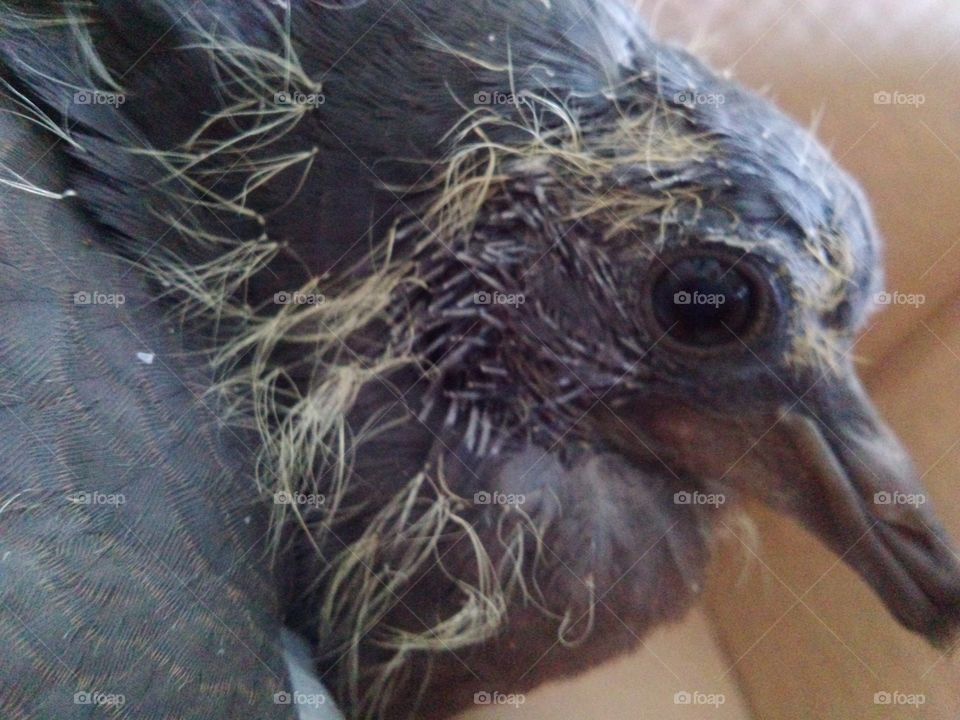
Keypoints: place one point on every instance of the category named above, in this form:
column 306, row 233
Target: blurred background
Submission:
column 786, row 631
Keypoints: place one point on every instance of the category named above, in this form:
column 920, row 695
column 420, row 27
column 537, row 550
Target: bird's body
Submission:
column 427, row 260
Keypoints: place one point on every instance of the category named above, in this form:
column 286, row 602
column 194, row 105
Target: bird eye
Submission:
column 706, row 301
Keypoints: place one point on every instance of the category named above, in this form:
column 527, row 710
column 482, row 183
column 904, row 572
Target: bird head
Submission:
column 676, row 276
column 633, row 309
column 633, row 292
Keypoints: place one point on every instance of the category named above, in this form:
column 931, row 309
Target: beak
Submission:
column 829, row 461
column 856, row 488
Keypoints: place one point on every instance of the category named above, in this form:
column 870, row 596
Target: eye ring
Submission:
column 708, row 299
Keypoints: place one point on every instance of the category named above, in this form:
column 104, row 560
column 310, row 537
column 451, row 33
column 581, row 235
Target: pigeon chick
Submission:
column 517, row 301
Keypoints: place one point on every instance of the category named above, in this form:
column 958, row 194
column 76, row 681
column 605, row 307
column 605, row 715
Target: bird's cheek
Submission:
column 701, row 447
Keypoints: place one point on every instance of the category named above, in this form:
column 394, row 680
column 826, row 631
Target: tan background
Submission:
column 789, row 632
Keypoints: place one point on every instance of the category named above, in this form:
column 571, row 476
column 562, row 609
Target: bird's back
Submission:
column 132, row 573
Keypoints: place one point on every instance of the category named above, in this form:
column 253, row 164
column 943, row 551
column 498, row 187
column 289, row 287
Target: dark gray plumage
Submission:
column 128, row 560
column 486, row 214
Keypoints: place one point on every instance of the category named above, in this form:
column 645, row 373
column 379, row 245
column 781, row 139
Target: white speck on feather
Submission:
column 246, row 520
column 146, row 358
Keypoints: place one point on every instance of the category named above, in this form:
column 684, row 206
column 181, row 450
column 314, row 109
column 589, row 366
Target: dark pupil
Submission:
column 703, row 301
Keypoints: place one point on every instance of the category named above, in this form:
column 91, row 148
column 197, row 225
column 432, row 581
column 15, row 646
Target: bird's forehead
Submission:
column 798, row 207
column 765, row 184
column 770, row 188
